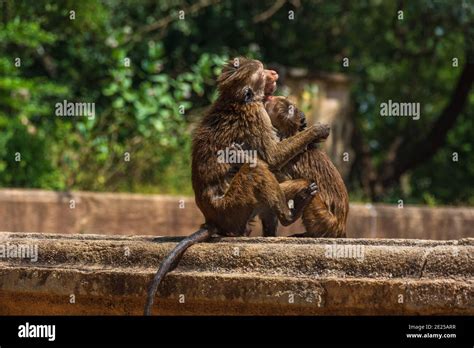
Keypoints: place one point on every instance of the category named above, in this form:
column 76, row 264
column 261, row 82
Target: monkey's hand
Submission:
column 320, row 132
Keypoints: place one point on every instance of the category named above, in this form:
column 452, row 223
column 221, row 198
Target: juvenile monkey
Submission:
column 227, row 201
column 326, row 215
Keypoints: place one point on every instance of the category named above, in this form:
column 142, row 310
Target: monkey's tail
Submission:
column 171, row 261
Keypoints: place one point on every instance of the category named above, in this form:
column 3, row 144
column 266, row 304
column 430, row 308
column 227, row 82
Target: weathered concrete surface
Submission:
column 250, row 276
column 113, row 213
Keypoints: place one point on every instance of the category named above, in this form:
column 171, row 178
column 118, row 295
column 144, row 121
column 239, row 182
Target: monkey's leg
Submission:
column 320, row 221
column 269, row 223
column 300, row 191
column 291, row 190
column 256, row 189
column 285, row 150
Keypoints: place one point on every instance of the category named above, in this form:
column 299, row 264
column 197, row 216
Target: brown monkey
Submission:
column 326, row 215
column 228, row 202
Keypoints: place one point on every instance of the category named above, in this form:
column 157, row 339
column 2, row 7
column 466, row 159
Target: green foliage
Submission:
column 173, row 64
column 138, row 140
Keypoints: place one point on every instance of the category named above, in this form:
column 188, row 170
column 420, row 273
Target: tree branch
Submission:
column 165, row 21
column 270, row 12
column 410, row 156
column 363, row 164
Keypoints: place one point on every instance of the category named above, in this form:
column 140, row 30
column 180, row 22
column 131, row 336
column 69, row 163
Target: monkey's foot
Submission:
column 302, row 198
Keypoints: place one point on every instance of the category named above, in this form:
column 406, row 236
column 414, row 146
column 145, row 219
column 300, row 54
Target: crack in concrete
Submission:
column 425, row 261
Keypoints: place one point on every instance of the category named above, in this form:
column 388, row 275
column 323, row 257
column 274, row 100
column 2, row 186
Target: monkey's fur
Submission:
column 229, row 202
column 326, row 215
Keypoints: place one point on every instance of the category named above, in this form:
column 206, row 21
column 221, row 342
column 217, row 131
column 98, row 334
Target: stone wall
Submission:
column 132, row 214
column 101, row 275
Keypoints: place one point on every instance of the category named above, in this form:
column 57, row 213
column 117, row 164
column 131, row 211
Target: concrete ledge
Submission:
column 92, row 274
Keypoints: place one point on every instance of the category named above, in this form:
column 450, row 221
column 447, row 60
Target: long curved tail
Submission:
column 171, row 261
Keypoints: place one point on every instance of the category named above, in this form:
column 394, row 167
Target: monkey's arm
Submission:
column 285, row 150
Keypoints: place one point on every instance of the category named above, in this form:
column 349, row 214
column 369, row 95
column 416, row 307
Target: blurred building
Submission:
column 325, row 98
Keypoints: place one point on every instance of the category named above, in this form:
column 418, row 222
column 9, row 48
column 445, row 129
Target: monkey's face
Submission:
column 246, row 80
column 285, row 116
column 271, row 78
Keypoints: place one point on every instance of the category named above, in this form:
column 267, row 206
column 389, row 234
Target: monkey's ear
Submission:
column 248, row 94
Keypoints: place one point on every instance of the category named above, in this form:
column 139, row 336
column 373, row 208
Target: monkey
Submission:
column 230, row 202
column 326, row 215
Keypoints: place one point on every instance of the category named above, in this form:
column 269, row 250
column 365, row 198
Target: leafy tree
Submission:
column 144, row 62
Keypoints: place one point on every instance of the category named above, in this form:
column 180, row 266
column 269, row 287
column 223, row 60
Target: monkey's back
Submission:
column 223, row 125
column 327, row 213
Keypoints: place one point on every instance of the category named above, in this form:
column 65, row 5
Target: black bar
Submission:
column 136, row 331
